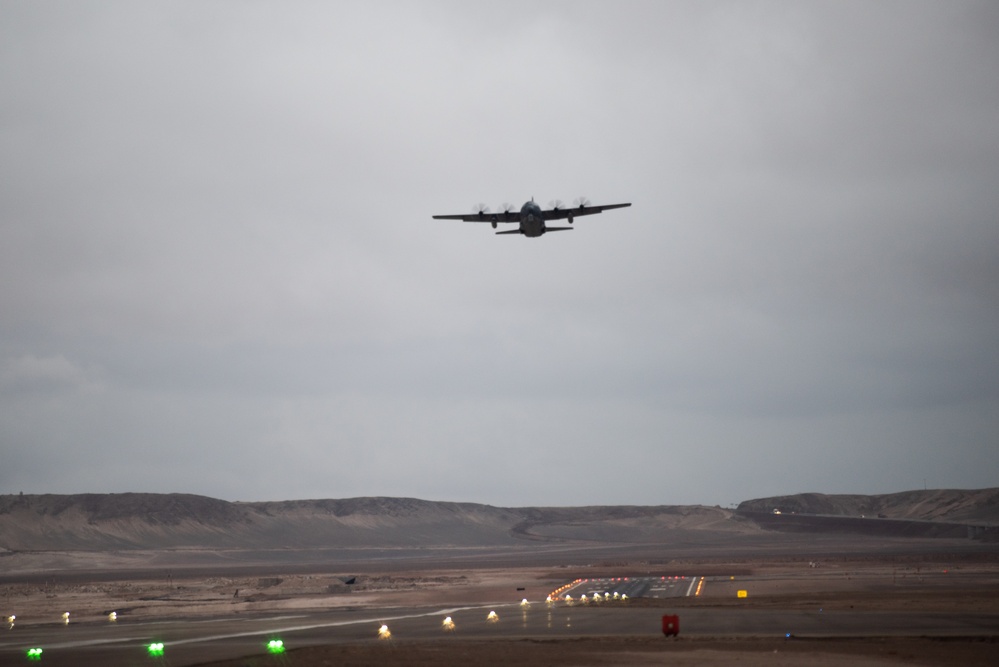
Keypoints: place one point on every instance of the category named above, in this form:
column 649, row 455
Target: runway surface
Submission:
column 622, row 588
column 198, row 640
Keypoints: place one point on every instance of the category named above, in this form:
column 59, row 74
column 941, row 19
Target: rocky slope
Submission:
column 978, row 506
column 169, row 521
column 129, row 521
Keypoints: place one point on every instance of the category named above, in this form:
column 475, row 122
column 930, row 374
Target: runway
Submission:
column 198, row 640
column 618, row 588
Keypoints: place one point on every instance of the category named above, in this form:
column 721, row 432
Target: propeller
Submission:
column 581, row 202
column 506, row 208
column 556, row 204
column 480, row 209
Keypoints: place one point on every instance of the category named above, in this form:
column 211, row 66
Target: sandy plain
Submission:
column 918, row 579
column 324, row 575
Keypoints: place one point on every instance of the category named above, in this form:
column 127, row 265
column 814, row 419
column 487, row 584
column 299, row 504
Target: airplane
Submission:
column 532, row 218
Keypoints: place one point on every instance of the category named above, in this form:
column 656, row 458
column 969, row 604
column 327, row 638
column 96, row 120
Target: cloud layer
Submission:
column 219, row 273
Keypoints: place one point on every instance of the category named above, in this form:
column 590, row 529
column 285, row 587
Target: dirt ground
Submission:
column 937, row 584
column 644, row 651
column 944, row 586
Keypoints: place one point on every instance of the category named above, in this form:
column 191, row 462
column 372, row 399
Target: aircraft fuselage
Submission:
column 532, row 222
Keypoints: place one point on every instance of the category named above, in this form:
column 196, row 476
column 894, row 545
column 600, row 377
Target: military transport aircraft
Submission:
column 531, row 217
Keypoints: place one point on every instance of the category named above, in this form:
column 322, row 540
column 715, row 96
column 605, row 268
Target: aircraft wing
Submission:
column 512, row 216
column 475, row 217
column 576, row 211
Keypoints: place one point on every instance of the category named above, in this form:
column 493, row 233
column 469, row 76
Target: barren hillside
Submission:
column 170, row 521
column 131, row 521
column 978, row 506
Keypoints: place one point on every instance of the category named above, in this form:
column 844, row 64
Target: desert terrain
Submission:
column 215, row 581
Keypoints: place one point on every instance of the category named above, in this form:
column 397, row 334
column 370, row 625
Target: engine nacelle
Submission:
column 494, row 224
column 570, row 219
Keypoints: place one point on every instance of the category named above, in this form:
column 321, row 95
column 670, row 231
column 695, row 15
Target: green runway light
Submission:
column 34, row 654
column 275, row 646
column 155, row 649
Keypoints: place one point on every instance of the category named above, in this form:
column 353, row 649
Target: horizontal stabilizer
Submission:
column 557, row 229
column 509, row 231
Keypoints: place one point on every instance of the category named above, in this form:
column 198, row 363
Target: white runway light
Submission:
column 384, row 632
column 113, row 616
column 65, row 617
column 492, row 617
column 525, row 603
column 447, row 623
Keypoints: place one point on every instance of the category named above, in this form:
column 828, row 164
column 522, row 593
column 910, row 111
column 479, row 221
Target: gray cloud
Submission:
column 220, row 275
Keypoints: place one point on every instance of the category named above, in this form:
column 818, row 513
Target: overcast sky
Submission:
column 219, row 273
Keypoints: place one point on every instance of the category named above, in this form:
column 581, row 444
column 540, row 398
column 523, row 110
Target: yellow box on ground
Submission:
column 741, row 594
